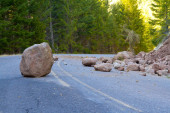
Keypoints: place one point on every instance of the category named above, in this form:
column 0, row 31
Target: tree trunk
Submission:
column 51, row 30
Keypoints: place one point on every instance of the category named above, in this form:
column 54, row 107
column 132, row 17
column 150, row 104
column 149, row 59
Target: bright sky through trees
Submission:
column 113, row 1
column 144, row 6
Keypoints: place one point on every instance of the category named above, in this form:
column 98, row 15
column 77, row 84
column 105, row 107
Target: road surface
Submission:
column 73, row 88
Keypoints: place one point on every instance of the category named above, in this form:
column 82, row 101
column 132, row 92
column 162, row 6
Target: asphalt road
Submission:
column 73, row 88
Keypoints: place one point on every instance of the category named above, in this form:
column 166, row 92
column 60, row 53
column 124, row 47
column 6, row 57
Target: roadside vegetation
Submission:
column 83, row 26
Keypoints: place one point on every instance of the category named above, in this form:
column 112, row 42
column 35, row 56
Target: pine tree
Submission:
column 21, row 24
column 134, row 22
column 161, row 12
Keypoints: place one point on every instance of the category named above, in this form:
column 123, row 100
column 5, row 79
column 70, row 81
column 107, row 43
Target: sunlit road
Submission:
column 73, row 88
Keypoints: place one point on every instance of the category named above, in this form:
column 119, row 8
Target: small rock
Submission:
column 133, row 67
column 123, row 55
column 168, row 68
column 150, row 70
column 55, row 58
column 105, row 67
column 142, row 68
column 129, row 61
column 162, row 72
column 89, row 61
column 120, row 68
column 117, row 64
column 65, row 63
column 156, row 67
column 143, row 74
column 106, row 60
column 141, row 55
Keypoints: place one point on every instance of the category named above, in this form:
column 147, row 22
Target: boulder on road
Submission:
column 37, row 60
column 89, row 61
column 105, row 67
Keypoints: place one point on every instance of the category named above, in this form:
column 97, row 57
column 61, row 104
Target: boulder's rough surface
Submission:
column 89, row 61
column 37, row 60
column 123, row 55
column 105, row 67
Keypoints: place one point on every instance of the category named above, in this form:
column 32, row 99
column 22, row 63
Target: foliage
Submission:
column 20, row 24
column 161, row 12
column 81, row 26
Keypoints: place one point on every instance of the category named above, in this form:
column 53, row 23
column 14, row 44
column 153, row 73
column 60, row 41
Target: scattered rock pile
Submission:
column 37, row 61
column 102, row 64
column 155, row 62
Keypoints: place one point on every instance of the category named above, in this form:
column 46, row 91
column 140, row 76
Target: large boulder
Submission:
column 123, row 55
column 105, row 67
column 37, row 60
column 89, row 61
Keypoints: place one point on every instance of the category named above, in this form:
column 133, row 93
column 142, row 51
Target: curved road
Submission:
column 73, row 88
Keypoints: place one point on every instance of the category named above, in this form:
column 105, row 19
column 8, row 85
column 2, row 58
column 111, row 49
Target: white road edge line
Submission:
column 95, row 90
column 60, row 81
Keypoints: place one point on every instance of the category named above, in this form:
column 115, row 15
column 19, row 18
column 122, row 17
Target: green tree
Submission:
column 161, row 12
column 21, row 24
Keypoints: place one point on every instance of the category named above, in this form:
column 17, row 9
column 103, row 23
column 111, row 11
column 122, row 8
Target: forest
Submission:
column 83, row 26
